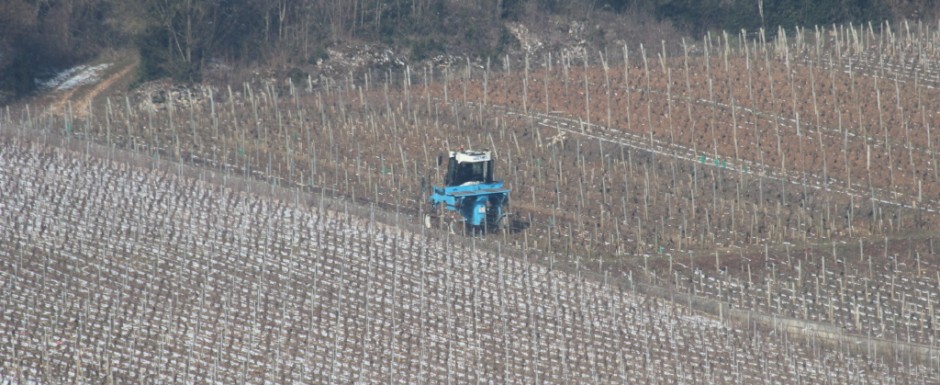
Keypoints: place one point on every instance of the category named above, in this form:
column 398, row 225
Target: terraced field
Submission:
column 785, row 181
column 115, row 273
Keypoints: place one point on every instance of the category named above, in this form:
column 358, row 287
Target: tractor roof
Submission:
column 470, row 156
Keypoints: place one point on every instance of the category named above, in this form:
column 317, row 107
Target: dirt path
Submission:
column 82, row 96
column 58, row 105
column 85, row 99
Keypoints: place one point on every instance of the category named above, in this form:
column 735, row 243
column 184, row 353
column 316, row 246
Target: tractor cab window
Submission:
column 469, row 172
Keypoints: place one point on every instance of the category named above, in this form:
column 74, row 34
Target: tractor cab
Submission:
column 469, row 168
column 470, row 193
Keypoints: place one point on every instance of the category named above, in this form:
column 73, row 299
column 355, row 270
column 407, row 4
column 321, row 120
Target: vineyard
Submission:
column 268, row 232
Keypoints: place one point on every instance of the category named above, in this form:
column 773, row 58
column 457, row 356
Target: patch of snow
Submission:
column 529, row 41
column 75, row 77
column 60, row 78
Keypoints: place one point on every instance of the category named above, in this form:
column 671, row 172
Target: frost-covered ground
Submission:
column 75, row 77
column 114, row 273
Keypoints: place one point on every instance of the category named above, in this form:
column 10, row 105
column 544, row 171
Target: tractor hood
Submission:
column 473, row 190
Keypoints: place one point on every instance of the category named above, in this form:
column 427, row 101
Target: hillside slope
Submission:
column 120, row 273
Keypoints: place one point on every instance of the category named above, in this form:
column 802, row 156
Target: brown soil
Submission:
column 116, row 78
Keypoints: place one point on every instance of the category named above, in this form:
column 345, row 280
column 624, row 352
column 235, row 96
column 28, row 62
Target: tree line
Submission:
column 179, row 38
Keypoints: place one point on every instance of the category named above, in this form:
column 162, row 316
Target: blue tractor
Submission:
column 470, row 197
